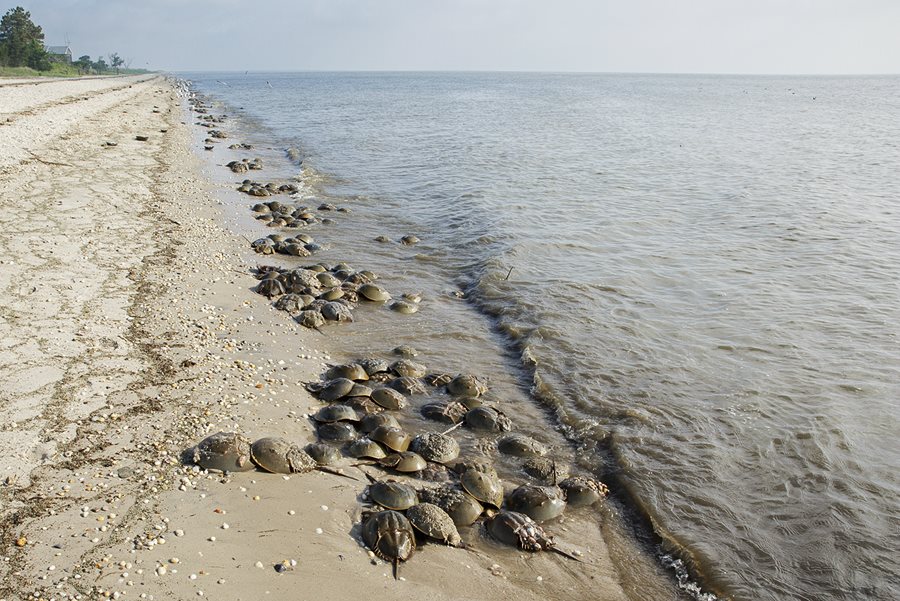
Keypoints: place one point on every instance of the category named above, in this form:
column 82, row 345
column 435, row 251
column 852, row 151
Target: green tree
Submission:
column 21, row 41
column 100, row 66
column 84, row 63
column 116, row 61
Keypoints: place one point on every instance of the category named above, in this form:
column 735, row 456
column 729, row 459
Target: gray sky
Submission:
column 686, row 36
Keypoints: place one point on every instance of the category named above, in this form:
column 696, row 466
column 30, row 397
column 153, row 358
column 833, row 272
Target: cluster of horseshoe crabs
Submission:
column 427, row 492
column 366, row 401
column 316, row 294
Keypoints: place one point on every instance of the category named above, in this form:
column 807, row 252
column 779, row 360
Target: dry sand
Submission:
column 128, row 331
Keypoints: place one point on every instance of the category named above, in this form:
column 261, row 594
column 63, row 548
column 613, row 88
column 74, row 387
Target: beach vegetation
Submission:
column 116, row 61
column 84, row 64
column 22, row 42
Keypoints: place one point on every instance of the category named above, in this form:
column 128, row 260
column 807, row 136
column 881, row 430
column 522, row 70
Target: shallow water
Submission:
column 694, row 277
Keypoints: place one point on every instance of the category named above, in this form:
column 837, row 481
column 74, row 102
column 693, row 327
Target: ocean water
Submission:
column 687, row 284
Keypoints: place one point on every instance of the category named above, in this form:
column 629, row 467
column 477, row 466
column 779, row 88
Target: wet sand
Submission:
column 128, row 332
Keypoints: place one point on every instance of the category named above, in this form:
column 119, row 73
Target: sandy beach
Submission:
column 128, row 332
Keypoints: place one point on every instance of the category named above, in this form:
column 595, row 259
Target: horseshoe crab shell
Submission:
column 435, row 446
column 484, row 486
column 362, row 404
column 434, row 522
column 223, row 451
column 540, row 503
column 323, row 454
column 393, row 438
column 280, row 456
column 366, row 448
column 519, row 530
column 336, row 389
column 374, row 293
column 370, row 422
column 336, row 413
column 444, row 412
column 519, row 445
column 373, row 365
column 393, row 495
column 335, row 311
column 409, row 369
column 407, row 385
column 437, row 379
column 488, row 419
column 405, row 462
column 461, row 508
column 389, row 398
column 310, row 318
column 336, row 431
column 581, row 491
column 466, row 385
column 546, row 470
column 404, row 308
column 350, row 371
column 390, row 536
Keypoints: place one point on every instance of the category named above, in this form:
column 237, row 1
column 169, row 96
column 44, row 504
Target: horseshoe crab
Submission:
column 581, row 491
column 435, row 523
column 335, row 311
column 519, row 530
column 336, row 413
column 366, row 448
column 360, row 390
column 407, row 385
column 437, row 379
column 519, row 445
column 374, row 293
column 280, row 456
column 362, row 404
column 435, row 446
column 393, row 438
column 310, row 318
column 390, row 536
column 488, row 419
column 336, row 431
column 393, row 495
column 444, row 412
column 466, row 385
column 292, row 303
column 404, row 308
column 270, row 287
column 409, row 240
column 328, row 280
column 323, row 454
column 349, row 371
column 461, row 508
column 373, row 366
column 409, row 369
column 335, row 389
column 332, row 294
column 370, row 422
column 545, row 470
column 404, row 462
column 389, row 398
column 223, row 451
column 540, row 503
column 485, row 486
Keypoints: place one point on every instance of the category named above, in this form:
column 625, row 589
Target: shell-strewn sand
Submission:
column 127, row 333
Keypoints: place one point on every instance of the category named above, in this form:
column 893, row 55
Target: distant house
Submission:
column 59, row 54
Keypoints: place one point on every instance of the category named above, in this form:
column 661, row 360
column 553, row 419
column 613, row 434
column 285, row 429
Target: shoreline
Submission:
column 105, row 508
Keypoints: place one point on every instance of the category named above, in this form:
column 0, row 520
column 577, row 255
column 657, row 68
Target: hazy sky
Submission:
column 693, row 36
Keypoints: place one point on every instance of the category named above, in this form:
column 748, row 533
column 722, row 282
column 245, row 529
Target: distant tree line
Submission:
column 22, row 45
column 22, row 42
